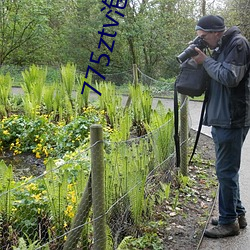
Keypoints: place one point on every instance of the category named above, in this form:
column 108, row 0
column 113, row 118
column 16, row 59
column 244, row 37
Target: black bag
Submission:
column 192, row 80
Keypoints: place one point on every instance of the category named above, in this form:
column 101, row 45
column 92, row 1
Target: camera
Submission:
column 190, row 51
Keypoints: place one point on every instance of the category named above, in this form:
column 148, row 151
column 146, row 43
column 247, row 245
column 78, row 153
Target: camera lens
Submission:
column 187, row 53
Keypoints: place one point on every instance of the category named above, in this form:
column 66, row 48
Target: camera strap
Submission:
column 199, row 127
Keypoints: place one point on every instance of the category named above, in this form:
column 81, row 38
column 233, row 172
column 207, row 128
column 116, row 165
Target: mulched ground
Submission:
column 186, row 223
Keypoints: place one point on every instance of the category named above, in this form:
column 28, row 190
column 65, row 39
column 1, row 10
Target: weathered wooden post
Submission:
column 135, row 81
column 98, row 194
column 184, row 135
column 135, row 74
column 80, row 218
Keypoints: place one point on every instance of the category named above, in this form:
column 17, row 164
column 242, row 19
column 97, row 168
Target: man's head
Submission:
column 211, row 28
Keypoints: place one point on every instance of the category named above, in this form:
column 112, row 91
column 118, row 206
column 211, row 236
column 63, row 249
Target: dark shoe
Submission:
column 221, row 231
column 241, row 219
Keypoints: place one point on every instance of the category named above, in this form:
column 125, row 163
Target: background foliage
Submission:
column 152, row 33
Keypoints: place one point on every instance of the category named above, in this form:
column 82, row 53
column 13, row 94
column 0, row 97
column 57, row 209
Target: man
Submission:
column 228, row 112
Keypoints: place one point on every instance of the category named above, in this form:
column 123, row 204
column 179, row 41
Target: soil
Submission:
column 24, row 164
column 186, row 223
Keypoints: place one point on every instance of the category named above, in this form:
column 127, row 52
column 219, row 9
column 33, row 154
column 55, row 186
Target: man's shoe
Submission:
column 221, row 231
column 241, row 219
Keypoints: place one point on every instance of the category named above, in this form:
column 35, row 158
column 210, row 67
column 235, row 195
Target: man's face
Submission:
column 211, row 38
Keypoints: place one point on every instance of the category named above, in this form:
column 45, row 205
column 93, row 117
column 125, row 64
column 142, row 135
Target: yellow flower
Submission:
column 73, row 199
column 14, row 209
column 38, row 155
column 31, row 187
column 6, row 132
column 12, row 145
column 69, row 211
column 45, row 151
column 37, row 196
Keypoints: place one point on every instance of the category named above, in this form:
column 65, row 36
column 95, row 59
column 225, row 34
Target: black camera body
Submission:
column 190, row 51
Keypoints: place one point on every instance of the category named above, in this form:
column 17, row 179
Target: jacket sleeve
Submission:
column 234, row 66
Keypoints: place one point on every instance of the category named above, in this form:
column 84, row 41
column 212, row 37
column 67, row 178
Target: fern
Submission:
column 33, row 86
column 5, row 90
column 48, row 98
column 68, row 74
column 6, row 184
column 56, row 185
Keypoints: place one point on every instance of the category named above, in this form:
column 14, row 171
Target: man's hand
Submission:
column 200, row 58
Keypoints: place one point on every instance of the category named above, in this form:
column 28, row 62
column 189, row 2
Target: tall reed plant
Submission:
column 82, row 100
column 56, row 186
column 48, row 97
column 141, row 104
column 34, row 80
column 5, row 90
column 160, row 131
column 110, row 102
column 6, row 196
column 68, row 74
column 126, row 172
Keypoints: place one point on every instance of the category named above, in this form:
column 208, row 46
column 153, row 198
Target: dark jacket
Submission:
column 228, row 103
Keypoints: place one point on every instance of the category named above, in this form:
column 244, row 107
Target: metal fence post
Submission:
column 98, row 195
column 184, row 135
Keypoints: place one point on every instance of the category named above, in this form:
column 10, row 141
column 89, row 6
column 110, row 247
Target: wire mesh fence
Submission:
column 46, row 210
column 55, row 210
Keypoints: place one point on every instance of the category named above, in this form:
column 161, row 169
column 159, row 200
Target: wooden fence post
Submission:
column 135, row 81
column 98, row 194
column 135, row 74
column 80, row 218
column 184, row 135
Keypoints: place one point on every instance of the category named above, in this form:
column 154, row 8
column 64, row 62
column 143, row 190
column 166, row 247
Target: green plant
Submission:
column 147, row 241
column 33, row 86
column 48, row 98
column 5, row 89
column 121, row 130
column 68, row 74
column 184, row 181
column 30, row 208
column 56, row 187
column 176, row 199
column 141, row 104
column 110, row 102
column 164, row 191
column 62, row 104
column 6, row 196
column 43, row 137
column 161, row 128
column 126, row 172
column 22, row 245
column 82, row 100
